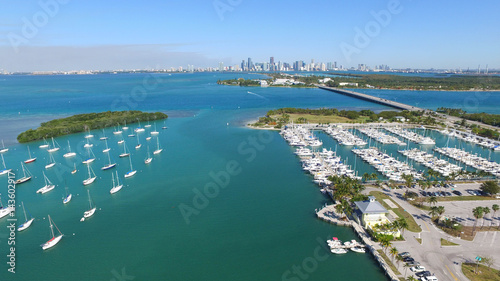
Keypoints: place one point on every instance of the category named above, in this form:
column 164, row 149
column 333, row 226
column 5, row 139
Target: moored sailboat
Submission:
column 68, row 196
column 92, row 208
column 103, row 135
column 3, row 149
column 30, row 159
column 91, row 177
column 70, row 153
column 26, row 175
column 47, row 187
column 110, row 165
column 107, row 149
column 91, row 156
column 45, row 144
column 26, row 223
column 51, row 163
column 55, row 239
column 132, row 171
column 125, row 153
column 149, row 159
column 158, row 149
column 116, row 187
column 5, row 211
column 4, row 170
column 74, row 170
column 54, row 147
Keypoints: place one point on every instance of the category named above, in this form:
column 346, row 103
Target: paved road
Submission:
column 443, row 261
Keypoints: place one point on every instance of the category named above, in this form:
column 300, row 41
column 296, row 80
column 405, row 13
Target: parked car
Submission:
column 417, row 268
column 423, row 193
column 456, row 192
column 423, row 273
column 429, row 278
column 413, row 263
column 404, row 254
column 448, row 193
column 408, row 259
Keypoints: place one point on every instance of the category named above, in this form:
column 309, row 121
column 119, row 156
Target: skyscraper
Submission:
column 250, row 64
column 243, row 65
column 271, row 64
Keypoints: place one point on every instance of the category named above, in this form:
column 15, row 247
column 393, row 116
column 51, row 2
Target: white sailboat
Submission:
column 138, row 143
column 5, row 211
column 74, row 170
column 55, row 239
column 54, row 147
column 27, row 222
column 158, row 149
column 88, row 144
column 149, row 159
column 30, row 159
column 116, row 187
column 164, row 126
column 3, row 149
column 4, row 170
column 92, row 208
column 148, row 138
column 88, row 136
column 139, row 128
column 107, row 149
column 117, row 132
column 45, row 144
column 70, row 153
column 121, row 141
column 148, row 125
column 125, row 153
column 155, row 132
column 91, row 156
column 68, row 196
column 26, row 175
column 131, row 135
column 110, row 165
column 51, row 163
column 132, row 171
column 91, row 177
column 125, row 126
column 47, row 187
column 103, row 135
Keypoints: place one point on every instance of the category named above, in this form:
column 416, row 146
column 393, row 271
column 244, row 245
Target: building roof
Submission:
column 370, row 207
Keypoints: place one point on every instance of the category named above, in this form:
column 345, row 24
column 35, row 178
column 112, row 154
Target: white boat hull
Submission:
column 87, row 145
column 52, row 242
column 53, row 149
column 89, row 161
column 25, row 225
column 124, row 155
column 147, row 161
column 107, row 167
column 4, row 150
column 48, row 166
column 6, row 171
column 23, row 180
column 129, row 174
column 158, row 151
column 31, row 160
column 46, row 189
column 67, row 199
column 89, row 213
column 89, row 181
column 69, row 154
column 6, row 211
column 116, row 189
column 106, row 150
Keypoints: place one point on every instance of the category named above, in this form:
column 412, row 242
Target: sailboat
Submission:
column 45, row 144
column 103, row 136
column 92, row 208
column 138, row 143
column 110, row 165
column 68, row 196
column 125, row 153
column 91, row 156
column 116, row 187
column 158, row 149
column 125, row 126
column 91, row 178
column 5, row 211
column 132, row 171
column 88, row 144
column 149, row 159
column 55, row 239
column 148, row 138
column 51, row 163
column 107, row 148
column 74, row 170
column 4, row 149
column 31, row 159
column 27, row 222
column 47, row 187
column 131, row 135
column 139, row 128
column 54, row 147
column 155, row 132
column 26, row 175
column 5, row 170
column 148, row 125
column 164, row 126
column 70, row 153
column 117, row 132
column 89, row 135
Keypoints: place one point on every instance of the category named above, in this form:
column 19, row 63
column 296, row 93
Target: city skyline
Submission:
column 51, row 35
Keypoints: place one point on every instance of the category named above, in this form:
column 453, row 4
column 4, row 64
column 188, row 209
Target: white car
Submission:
column 417, row 268
column 429, row 278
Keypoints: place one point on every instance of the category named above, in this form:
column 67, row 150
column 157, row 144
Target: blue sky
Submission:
column 74, row 35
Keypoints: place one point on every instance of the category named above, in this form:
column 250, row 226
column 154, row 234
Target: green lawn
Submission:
column 412, row 225
column 484, row 274
column 323, row 118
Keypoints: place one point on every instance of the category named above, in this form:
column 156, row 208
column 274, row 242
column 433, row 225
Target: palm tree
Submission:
column 365, row 177
column 433, row 212
column 432, row 200
column 440, row 210
column 398, row 259
column 486, row 211
column 408, row 180
column 406, row 268
column 411, row 278
column 374, row 176
column 495, row 208
column 402, row 224
column 477, row 213
column 385, row 243
column 393, row 253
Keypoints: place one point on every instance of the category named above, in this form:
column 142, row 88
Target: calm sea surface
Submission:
column 221, row 202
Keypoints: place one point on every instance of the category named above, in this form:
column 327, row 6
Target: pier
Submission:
column 397, row 105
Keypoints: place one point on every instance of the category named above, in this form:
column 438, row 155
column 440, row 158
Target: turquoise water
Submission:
column 255, row 222
column 258, row 227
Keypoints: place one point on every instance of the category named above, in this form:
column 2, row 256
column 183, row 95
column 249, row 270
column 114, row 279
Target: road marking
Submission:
column 493, row 238
column 427, row 226
column 451, row 273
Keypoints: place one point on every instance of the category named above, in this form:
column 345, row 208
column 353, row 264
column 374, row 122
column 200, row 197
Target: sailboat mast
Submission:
column 51, row 227
column 25, row 217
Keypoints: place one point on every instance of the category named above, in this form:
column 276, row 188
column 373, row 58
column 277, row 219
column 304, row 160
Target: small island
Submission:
column 90, row 121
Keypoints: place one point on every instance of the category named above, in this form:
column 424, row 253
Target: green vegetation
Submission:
column 419, row 240
column 91, row 121
column 388, row 261
column 240, row 82
column 445, row 242
column 400, row 212
column 484, row 273
column 486, row 118
column 490, row 187
column 385, row 81
column 282, row 116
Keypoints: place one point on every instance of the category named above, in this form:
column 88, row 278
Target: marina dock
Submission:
column 365, row 97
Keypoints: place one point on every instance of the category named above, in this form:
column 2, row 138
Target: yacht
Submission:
column 116, row 187
column 26, row 175
column 3, row 149
column 92, row 208
column 51, row 163
column 91, row 177
column 132, row 171
column 26, row 223
column 70, row 153
column 338, row 251
column 30, row 159
column 4, row 170
column 47, row 187
column 54, row 147
column 55, row 239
